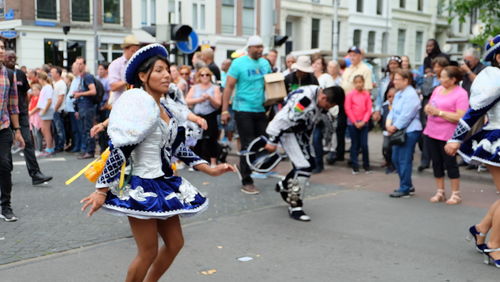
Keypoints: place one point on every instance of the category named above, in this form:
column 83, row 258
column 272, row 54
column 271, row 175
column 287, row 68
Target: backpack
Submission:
column 99, row 88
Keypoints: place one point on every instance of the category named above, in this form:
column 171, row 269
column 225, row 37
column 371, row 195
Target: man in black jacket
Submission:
column 22, row 90
column 301, row 75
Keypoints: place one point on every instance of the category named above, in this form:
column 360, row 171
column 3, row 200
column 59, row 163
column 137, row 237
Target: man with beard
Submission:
column 23, row 86
column 247, row 75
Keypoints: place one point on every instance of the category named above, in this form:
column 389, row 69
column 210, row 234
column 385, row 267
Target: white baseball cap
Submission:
column 254, row 40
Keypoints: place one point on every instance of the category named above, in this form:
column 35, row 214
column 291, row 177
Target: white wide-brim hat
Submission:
column 303, row 64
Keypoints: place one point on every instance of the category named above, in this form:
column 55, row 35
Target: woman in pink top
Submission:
column 447, row 105
column 358, row 108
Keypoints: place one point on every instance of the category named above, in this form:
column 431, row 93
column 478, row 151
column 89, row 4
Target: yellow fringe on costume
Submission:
column 93, row 170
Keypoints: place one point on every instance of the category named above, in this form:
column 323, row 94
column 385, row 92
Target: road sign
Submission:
column 189, row 46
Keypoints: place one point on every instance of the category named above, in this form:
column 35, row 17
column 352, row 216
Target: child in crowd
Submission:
column 35, row 121
column 46, row 107
column 358, row 108
column 386, row 148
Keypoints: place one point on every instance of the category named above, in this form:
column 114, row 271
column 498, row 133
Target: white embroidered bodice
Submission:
column 146, row 157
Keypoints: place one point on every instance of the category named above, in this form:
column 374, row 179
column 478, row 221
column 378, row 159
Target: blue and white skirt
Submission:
column 158, row 198
column 482, row 147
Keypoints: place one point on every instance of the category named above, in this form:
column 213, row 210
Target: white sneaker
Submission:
column 190, row 169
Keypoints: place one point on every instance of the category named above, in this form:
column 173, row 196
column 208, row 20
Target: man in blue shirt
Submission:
column 247, row 75
column 86, row 108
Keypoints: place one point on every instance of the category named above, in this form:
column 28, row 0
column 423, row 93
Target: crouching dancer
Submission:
column 292, row 127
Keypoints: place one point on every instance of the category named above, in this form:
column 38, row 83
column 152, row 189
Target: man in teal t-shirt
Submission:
column 247, row 75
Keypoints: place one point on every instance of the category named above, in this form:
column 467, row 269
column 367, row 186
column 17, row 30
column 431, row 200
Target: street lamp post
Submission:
column 96, row 37
column 335, row 50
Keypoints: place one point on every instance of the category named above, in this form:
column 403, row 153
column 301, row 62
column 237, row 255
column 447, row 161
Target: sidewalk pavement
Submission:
column 354, row 235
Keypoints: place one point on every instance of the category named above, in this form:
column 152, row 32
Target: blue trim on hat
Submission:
column 143, row 54
column 488, row 56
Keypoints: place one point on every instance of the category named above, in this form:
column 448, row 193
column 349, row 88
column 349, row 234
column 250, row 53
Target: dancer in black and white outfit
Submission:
column 292, row 127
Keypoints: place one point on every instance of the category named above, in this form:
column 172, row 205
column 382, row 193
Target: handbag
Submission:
column 398, row 137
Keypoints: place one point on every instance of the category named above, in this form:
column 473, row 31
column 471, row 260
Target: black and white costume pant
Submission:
column 298, row 149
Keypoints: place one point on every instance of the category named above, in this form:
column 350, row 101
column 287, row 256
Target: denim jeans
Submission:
column 318, row 147
column 359, row 140
column 76, row 130
column 402, row 159
column 60, row 135
column 87, row 117
column 6, row 140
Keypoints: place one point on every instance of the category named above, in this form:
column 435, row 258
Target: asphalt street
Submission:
column 357, row 232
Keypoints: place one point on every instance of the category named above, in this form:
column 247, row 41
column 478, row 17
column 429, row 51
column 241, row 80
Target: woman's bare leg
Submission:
column 494, row 240
column 495, row 173
column 487, row 221
column 171, row 232
column 47, row 133
column 146, row 239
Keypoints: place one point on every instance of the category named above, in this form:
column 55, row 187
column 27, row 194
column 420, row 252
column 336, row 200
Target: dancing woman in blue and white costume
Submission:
column 145, row 134
column 484, row 146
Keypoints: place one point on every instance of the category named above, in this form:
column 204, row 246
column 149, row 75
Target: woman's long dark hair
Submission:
column 147, row 67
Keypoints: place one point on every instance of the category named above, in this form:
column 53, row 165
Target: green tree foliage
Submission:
column 488, row 14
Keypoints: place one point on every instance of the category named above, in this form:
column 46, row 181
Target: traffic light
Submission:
column 180, row 32
column 280, row 40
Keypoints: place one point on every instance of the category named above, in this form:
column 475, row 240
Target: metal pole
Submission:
column 335, row 48
column 96, row 38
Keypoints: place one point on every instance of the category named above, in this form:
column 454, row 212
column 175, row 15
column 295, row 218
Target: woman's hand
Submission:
column 451, row 148
column 431, row 110
column 96, row 129
column 391, row 129
column 270, row 148
column 95, row 200
column 215, row 171
column 202, row 123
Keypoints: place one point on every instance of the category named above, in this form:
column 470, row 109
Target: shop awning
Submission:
column 143, row 36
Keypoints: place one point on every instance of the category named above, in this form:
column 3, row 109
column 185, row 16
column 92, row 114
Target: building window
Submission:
column 359, row 6
column 111, row 11
column 227, row 17
column 402, row 4
column 356, row 39
column 440, row 8
column 46, row 9
column 419, row 46
column 80, row 10
column 195, row 15
column 385, row 42
column 54, row 56
column 109, row 52
column 420, row 5
column 148, row 12
column 248, row 19
column 315, row 33
column 153, row 12
column 371, row 41
column 202, row 17
column 401, row 41
column 198, row 16
column 380, row 6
